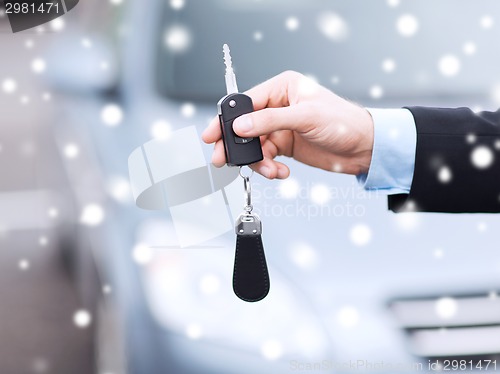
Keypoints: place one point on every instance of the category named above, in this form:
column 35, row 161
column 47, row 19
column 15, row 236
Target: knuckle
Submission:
column 291, row 75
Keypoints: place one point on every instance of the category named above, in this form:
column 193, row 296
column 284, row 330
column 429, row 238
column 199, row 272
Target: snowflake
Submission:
column 188, row 110
column 194, row 331
column 292, row 23
column 257, row 35
column 320, row 194
column 348, row 317
column 161, row 130
column 43, row 241
column 333, row 26
column 444, row 174
column 53, row 212
column 57, row 24
column 360, row 234
column 38, row 65
column 486, row 22
column 112, row 115
column 469, row 48
column 407, row 25
column 177, row 39
column 482, row 157
column 388, row 65
column 471, row 138
column 82, row 318
column 71, row 150
column 92, row 215
column 209, row 284
column 438, row 253
column 304, row 256
column 177, row 4
column 86, row 43
column 449, row 65
column 289, row 188
column 376, row 92
column 446, row 307
column 24, row 264
column 142, row 254
column 271, row 350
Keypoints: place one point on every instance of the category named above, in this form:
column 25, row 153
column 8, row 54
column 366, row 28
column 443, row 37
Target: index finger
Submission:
column 212, row 133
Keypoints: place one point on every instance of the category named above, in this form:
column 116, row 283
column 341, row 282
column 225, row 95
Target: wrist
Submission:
column 366, row 139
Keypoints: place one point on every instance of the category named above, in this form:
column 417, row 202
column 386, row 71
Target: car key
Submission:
column 239, row 151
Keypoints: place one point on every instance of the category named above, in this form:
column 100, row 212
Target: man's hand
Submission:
column 298, row 118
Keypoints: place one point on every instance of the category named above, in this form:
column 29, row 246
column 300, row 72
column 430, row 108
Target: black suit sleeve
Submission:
column 453, row 139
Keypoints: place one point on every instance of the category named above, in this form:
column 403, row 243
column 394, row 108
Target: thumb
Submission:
column 269, row 120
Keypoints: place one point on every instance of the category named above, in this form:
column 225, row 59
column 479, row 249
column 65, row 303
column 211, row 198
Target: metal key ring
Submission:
column 246, row 176
column 248, row 191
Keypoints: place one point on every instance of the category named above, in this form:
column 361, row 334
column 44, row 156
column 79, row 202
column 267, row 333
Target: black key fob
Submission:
column 239, row 151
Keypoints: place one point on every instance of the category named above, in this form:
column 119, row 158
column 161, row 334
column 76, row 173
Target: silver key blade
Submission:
column 231, row 85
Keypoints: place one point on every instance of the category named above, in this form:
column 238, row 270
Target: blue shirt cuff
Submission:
column 393, row 156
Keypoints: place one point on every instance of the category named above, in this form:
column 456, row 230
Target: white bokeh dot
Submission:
column 482, row 226
column 444, row 174
column 482, row 157
column 29, row 43
column 446, row 307
column 9, row 85
column 38, row 65
column 438, row 253
column 289, row 188
column 106, row 289
column 469, row 48
column 24, row 264
column 92, row 215
column 292, row 23
column 112, row 115
column 86, row 42
column 320, row 194
column 43, row 241
column 53, row 212
column 486, row 22
column 497, row 145
column 407, row 25
column 304, row 256
column 333, row 26
column 142, row 254
column 82, row 318
column 388, row 65
column 188, row 110
column 209, row 284
column 360, row 234
column 118, row 188
column 177, row 39
column 271, row 349
column 449, row 65
column 393, row 3
column 376, row 92
column 116, row 2
column 257, row 36
column 161, row 130
column 471, row 138
column 348, row 317
column 71, row 150
column 177, row 4
column 194, row 331
column 57, row 24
